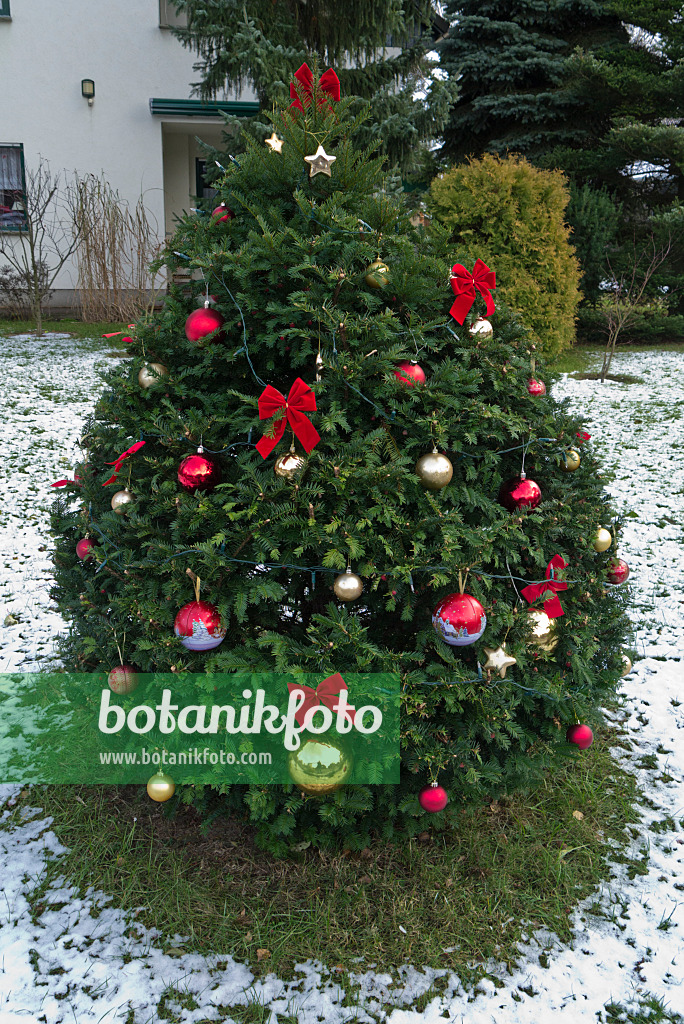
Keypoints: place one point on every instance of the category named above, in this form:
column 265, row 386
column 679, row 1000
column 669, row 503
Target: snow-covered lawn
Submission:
column 81, row 960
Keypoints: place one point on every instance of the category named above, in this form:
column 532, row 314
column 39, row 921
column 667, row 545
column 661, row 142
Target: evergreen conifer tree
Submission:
column 289, row 272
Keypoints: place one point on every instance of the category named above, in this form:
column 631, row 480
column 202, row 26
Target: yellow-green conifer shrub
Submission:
column 512, row 215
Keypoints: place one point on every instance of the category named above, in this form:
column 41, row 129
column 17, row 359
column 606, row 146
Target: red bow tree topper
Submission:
column 119, row 459
column 301, row 399
column 327, row 693
column 552, row 605
column 328, row 83
column 465, row 284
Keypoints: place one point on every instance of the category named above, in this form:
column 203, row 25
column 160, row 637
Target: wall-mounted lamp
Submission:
column 88, row 90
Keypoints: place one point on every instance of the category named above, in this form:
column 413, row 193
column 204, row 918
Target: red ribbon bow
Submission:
column 117, row 462
column 63, row 483
column 326, row 693
column 464, row 285
column 583, row 436
column 328, row 83
column 301, row 399
column 552, row 605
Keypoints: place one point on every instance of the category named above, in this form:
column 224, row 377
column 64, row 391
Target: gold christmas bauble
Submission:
column 146, row 378
column 348, row 586
column 377, row 275
column 161, row 788
column 320, row 766
column 571, row 461
column 288, row 465
column 602, row 539
column 434, row 470
column 482, row 328
column 121, row 499
column 626, row 666
column 543, row 629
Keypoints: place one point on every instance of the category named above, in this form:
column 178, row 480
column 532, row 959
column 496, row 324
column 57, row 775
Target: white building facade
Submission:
column 138, row 129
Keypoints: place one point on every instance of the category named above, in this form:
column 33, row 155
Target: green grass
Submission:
column 515, row 865
column 75, row 327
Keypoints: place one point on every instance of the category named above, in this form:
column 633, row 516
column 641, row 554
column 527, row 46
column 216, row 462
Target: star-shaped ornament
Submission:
column 275, row 143
column 320, row 162
column 498, row 660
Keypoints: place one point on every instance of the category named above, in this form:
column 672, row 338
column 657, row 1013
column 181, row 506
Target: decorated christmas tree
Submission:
column 365, row 475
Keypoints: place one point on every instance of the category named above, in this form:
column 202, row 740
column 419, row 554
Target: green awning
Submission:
column 196, row 108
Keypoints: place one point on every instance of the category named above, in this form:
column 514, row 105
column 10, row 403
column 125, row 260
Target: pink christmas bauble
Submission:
column 84, row 549
column 516, row 493
column 459, row 619
column 618, row 571
column 409, row 373
column 199, row 473
column 222, row 212
column 198, row 626
column 201, row 323
column 536, row 388
column 580, row 735
column 433, row 799
column 123, row 679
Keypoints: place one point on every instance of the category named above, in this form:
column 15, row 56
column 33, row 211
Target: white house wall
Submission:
column 47, row 48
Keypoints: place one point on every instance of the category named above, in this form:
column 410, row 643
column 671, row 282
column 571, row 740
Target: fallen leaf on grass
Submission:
column 578, row 815
column 263, row 954
column 495, row 807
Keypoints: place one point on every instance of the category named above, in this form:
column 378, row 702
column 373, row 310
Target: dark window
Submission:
column 203, row 191
column 4, row 8
column 168, row 16
column 12, row 188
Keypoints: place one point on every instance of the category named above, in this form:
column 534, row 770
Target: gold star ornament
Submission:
column 320, row 162
column 275, row 143
column 498, row 660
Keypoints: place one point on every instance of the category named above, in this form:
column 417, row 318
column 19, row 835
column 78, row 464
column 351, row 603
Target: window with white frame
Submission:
column 168, row 16
column 12, row 188
column 5, row 9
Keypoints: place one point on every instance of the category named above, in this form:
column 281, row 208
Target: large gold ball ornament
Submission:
column 377, row 275
column 348, row 586
column 626, row 666
column 288, row 465
column 482, row 328
column 121, row 499
column 571, row 461
column 434, row 470
column 146, row 378
column 320, row 766
column 602, row 539
column 543, row 629
column 161, row 788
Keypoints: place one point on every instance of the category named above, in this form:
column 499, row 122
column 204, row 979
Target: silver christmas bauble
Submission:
column 434, row 470
column 146, row 378
column 121, row 499
column 348, row 586
column 482, row 328
column 626, row 666
column 288, row 465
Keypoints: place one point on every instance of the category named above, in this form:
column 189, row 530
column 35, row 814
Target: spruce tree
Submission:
column 290, row 275
column 516, row 92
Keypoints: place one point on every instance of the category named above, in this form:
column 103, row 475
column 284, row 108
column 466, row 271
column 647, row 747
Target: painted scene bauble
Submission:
column 518, row 493
column 536, row 388
column 123, row 679
column 459, row 619
column 199, row 473
column 319, row 766
column 199, row 627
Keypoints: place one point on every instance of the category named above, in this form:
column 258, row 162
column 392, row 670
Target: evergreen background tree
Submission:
column 260, row 44
column 289, row 275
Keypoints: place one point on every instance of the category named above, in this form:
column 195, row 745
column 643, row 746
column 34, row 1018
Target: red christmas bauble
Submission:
column 516, row 494
column 536, row 388
column 580, row 735
column 459, row 619
column 84, row 549
column 202, row 322
column 618, row 571
column 199, row 626
column 433, row 799
column 222, row 212
column 123, row 679
column 199, row 473
column 409, row 373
